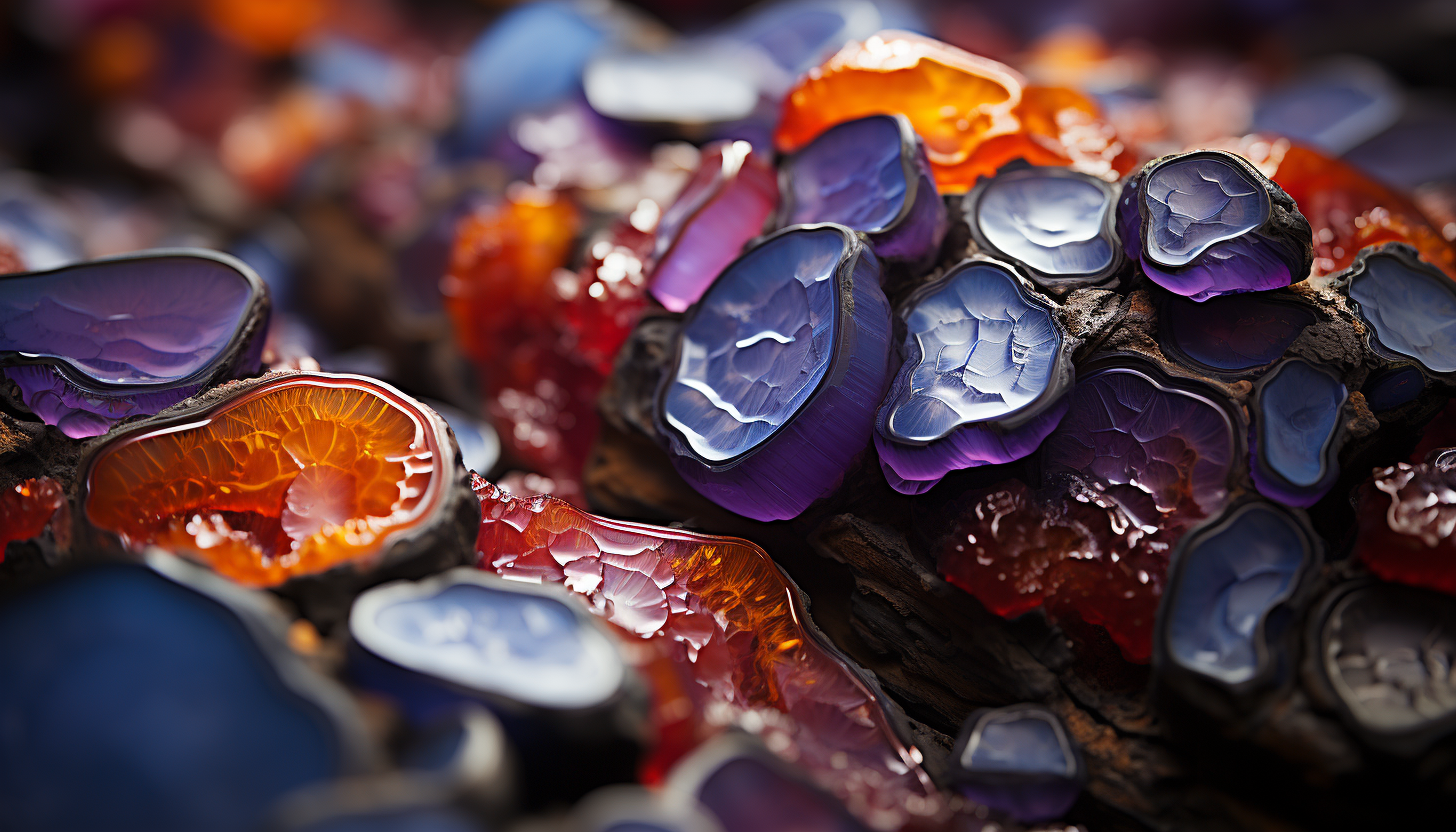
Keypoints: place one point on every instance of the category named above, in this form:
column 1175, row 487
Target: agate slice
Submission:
column 1408, row 305
column 982, row 382
column 1408, row 523
column 166, row 697
column 722, row 207
column 772, row 393
column 734, row 628
column 287, row 477
column 870, row 175
column 1019, row 760
column 1230, row 335
column 1207, row 223
column 1386, row 652
column 1298, row 416
column 1056, row 223
column 1225, row 615
column 88, row 345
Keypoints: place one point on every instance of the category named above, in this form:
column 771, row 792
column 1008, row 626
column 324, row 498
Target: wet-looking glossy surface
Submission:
column 1411, row 309
column 1053, row 220
column 852, row 174
column 1298, row 411
column 1196, row 201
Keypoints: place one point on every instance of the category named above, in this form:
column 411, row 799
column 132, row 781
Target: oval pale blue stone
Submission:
column 1299, row 409
column 1412, row 310
column 1024, row 743
column 1051, row 219
column 852, row 174
column 1231, row 333
column 987, row 352
column 1196, row 201
column 758, row 345
column 1225, row 585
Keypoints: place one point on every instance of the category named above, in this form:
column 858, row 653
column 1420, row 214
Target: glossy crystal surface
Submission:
column 1019, row 760
column 982, row 351
column 1408, row 525
column 1053, row 221
column 758, row 346
column 27, row 508
column 852, row 174
column 1226, row 583
column 1232, row 333
column 731, row 623
column 1411, row 310
column 1196, row 201
column 749, row 794
column 1298, row 410
column 291, row 477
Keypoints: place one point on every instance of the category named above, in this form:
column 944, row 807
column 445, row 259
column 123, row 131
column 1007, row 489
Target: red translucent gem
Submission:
column 27, row 508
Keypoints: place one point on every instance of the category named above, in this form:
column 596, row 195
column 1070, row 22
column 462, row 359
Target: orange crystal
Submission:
column 731, row 620
column 27, row 508
column 1347, row 210
column 298, row 474
column 973, row 113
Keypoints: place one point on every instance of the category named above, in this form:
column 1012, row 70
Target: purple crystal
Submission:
column 1230, row 334
column 90, row 344
column 1297, row 418
column 1409, row 305
column 1227, row 579
column 779, row 368
column 1020, row 760
column 1391, row 388
column 1207, row 223
column 1054, row 221
column 1386, row 651
column 722, row 207
column 871, row 175
column 984, row 371
column 1130, row 425
column 746, row 789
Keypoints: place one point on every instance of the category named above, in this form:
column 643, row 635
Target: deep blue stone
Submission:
column 1389, row 389
column 1410, row 305
column 1298, row 411
column 1232, row 333
column 1197, row 201
column 1054, row 221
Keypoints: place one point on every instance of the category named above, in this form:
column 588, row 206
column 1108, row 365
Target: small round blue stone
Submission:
column 1298, row 410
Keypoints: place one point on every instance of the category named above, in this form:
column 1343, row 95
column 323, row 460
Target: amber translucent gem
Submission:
column 26, row 508
column 974, row 114
column 296, row 475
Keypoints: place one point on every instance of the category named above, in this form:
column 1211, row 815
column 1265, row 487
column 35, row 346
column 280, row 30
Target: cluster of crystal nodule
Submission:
column 1055, row 222
column 1297, row 413
column 732, row 623
column 1018, row 759
column 292, row 476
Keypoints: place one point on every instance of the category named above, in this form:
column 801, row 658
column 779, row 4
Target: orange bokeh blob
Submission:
column 291, row 477
column 1346, row 209
column 268, row 27
column 26, row 509
column 973, row 113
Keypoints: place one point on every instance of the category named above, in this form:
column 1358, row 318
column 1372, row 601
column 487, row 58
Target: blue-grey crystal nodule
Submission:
column 1232, row 333
column 852, row 174
column 1019, row 742
column 987, row 351
column 1227, row 582
column 1196, row 201
column 1052, row 221
column 1413, row 311
column 758, row 345
column 1299, row 408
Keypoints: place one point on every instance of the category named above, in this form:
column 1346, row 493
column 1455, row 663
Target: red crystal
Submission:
column 26, row 509
column 1407, row 515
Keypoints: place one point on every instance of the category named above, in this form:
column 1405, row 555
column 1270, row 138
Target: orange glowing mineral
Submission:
column 26, row 508
column 290, row 477
column 973, row 113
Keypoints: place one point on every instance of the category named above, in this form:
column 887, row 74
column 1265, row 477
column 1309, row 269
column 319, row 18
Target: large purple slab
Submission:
column 1020, row 760
column 1408, row 305
column 87, row 345
column 1207, row 223
column 1231, row 335
column 985, row 366
column 1298, row 419
column 1056, row 223
column 772, row 393
column 871, row 175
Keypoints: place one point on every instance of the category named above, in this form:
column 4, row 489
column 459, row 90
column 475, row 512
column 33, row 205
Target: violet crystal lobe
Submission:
column 1020, row 760
column 1408, row 304
column 1298, row 416
column 1219, row 617
column 1233, row 334
column 87, row 345
column 1055, row 222
column 870, row 175
column 985, row 369
column 772, row 393
column 1207, row 223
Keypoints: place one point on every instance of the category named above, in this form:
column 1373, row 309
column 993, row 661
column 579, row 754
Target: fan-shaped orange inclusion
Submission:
column 289, row 478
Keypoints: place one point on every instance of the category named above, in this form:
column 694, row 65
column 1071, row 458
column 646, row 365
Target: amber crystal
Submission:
column 973, row 113
column 26, row 508
column 291, row 477
column 730, row 620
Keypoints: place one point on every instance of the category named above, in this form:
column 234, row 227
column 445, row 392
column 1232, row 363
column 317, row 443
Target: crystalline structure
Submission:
column 1298, row 409
column 1020, row 760
column 1227, row 581
column 293, row 476
column 91, row 344
column 1230, row 334
column 974, row 114
column 1410, row 306
column 1407, row 522
column 1055, row 222
column 730, row 622
column 27, row 508
column 1387, row 652
column 1191, row 205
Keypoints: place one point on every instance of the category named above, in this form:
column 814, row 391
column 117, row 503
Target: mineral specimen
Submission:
column 1208, row 223
column 88, row 345
column 27, row 508
column 1390, row 388
column 982, row 382
column 778, row 371
column 1020, row 760
column 1057, row 223
column 1298, row 420
column 1407, row 520
column 1409, row 305
column 870, row 175
column 1232, row 334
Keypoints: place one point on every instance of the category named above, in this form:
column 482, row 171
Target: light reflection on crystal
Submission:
column 1410, row 306
column 1194, row 202
column 1053, row 220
